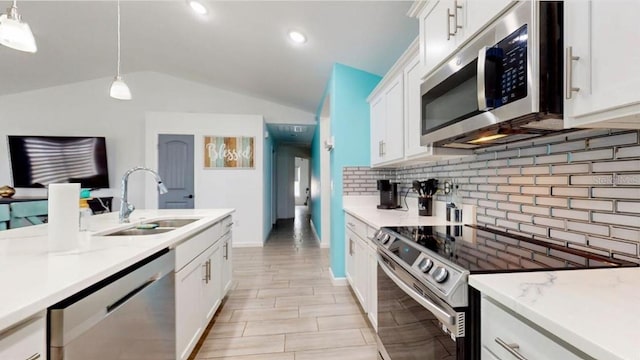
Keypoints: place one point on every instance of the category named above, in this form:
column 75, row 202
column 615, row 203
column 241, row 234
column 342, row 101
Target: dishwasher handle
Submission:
column 116, row 304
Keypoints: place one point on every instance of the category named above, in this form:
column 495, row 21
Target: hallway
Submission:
column 284, row 307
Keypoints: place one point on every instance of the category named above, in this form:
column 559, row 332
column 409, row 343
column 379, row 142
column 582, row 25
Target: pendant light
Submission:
column 15, row 33
column 119, row 89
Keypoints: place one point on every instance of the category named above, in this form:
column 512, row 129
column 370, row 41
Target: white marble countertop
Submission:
column 32, row 279
column 364, row 209
column 596, row 310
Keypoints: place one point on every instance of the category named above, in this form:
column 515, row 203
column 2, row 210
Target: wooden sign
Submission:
column 229, row 152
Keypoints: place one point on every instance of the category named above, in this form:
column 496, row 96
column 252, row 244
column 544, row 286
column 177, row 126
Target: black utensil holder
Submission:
column 425, row 206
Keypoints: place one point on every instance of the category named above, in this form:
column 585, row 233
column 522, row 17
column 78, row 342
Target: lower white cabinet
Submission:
column 505, row 337
column 25, row 341
column 361, row 266
column 201, row 284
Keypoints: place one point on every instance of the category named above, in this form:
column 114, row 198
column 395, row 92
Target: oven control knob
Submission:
column 386, row 238
column 440, row 274
column 377, row 234
column 425, row 265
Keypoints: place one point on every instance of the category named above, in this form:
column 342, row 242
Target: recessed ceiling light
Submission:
column 297, row 37
column 198, row 7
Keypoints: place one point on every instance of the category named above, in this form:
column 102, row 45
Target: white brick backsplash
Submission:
column 591, row 155
column 498, row 163
column 520, row 217
column 521, row 199
column 508, row 154
column 508, row 189
column 507, row 224
column 573, row 191
column 487, row 188
column 618, row 246
column 616, row 166
column 486, row 220
column 570, row 169
column 604, row 253
column 568, row 256
column 626, row 258
column 496, row 213
column 626, row 152
column 593, row 180
column 540, row 150
column 478, row 165
column 478, row 180
column 487, row 172
column 550, row 261
column 567, row 146
column 549, row 159
column 478, row 195
column 625, row 234
column 557, row 223
column 537, row 230
column 568, row 236
column 591, row 204
column 535, row 170
column 486, row 156
column 616, row 219
column 499, row 197
column 616, row 193
column 588, row 228
column 507, row 171
column 552, row 180
column 570, row 214
column 497, row 180
column 532, row 190
column 581, row 134
column 521, row 180
column 615, row 140
column 537, row 210
column 521, row 161
column 509, row 206
column 627, row 180
column 552, row 201
column 629, row 207
column 487, row 204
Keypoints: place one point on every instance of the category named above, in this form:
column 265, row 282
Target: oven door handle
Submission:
column 441, row 314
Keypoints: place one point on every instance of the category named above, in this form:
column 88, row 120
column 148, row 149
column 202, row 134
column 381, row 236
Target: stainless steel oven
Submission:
column 504, row 85
column 412, row 322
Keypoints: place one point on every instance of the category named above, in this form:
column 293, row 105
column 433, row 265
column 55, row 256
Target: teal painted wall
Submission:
column 315, row 206
column 349, row 89
column 268, row 184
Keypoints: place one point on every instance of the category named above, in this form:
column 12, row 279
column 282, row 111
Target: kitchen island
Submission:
column 33, row 279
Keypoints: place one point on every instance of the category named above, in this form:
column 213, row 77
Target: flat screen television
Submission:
column 37, row 161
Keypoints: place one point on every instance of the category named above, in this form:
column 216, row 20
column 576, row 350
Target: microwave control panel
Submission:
column 510, row 54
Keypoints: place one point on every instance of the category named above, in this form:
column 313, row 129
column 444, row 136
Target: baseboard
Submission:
column 341, row 281
column 315, row 234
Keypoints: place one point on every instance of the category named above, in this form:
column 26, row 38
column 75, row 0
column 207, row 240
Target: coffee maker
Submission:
column 388, row 195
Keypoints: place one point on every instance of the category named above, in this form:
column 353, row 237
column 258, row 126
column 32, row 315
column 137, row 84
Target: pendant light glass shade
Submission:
column 119, row 89
column 15, row 33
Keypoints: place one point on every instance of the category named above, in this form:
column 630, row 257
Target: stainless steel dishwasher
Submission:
column 130, row 315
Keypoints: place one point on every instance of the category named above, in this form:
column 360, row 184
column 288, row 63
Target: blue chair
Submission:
column 28, row 213
column 4, row 216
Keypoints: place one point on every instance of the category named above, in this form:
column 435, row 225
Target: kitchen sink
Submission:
column 137, row 232
column 171, row 223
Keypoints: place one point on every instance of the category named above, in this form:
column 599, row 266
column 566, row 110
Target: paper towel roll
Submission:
column 63, row 216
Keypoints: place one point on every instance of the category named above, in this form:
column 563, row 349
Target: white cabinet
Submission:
column 25, row 341
column 361, row 266
column 203, row 277
column 479, row 13
column 505, row 336
column 601, row 64
column 387, row 119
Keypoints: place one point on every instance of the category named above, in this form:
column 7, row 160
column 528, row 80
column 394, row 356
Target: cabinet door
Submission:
column 413, row 104
column 362, row 275
column 436, row 25
column 393, row 139
column 378, row 113
column 227, row 265
column 480, row 13
column 212, row 283
column 189, row 304
column 350, row 253
column 25, row 341
column 372, row 268
column 605, row 67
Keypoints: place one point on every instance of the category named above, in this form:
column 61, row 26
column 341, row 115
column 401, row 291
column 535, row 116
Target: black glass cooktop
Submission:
column 483, row 250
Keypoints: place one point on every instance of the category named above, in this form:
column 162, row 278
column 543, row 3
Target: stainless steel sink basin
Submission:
column 171, row 223
column 137, row 232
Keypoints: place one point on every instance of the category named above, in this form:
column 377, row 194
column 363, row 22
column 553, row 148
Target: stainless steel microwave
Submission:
column 505, row 85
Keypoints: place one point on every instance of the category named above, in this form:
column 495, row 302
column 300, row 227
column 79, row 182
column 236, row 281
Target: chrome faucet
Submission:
column 125, row 208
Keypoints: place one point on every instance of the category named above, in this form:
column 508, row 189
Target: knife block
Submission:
column 425, row 206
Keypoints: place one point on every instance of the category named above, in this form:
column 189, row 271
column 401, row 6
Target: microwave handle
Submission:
column 482, row 91
column 489, row 72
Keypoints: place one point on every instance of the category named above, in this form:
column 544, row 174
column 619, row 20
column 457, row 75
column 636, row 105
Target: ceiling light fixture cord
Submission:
column 118, row 63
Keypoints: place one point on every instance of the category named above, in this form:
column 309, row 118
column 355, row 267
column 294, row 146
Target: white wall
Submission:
column 303, row 164
column 285, row 167
column 85, row 109
column 242, row 189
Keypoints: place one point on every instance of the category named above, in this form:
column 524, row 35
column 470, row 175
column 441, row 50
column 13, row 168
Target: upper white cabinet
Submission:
column 445, row 25
column 387, row 119
column 602, row 76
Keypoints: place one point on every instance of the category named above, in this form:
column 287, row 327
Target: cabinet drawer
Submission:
column 355, row 225
column 192, row 247
column 501, row 330
column 26, row 341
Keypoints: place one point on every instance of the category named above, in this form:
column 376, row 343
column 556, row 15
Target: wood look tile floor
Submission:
column 283, row 305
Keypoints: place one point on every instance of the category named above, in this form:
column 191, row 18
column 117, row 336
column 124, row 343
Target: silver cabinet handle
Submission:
column 226, row 250
column 350, row 246
column 456, row 25
column 384, row 148
column 206, row 271
column 569, row 73
column 449, row 16
column 511, row 348
column 209, row 269
column 351, row 224
column 33, row 357
column 230, row 224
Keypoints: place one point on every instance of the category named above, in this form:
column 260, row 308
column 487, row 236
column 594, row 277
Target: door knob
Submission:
column 190, row 196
